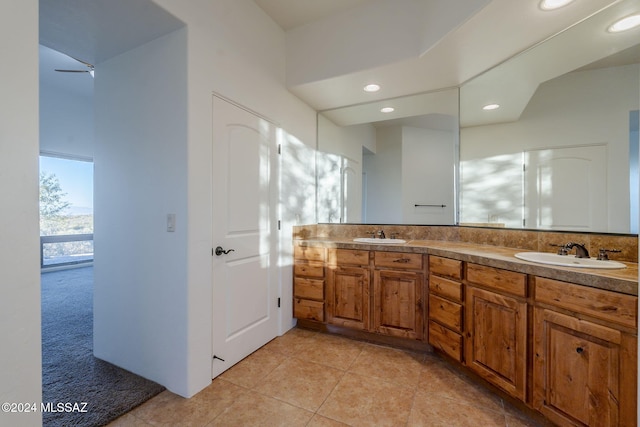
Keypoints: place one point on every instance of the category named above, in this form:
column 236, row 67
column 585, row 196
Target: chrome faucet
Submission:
column 581, row 250
column 562, row 249
column 603, row 254
column 381, row 234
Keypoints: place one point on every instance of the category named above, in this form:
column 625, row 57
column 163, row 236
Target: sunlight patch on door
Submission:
column 560, row 180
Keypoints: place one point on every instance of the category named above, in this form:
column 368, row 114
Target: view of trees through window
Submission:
column 66, row 210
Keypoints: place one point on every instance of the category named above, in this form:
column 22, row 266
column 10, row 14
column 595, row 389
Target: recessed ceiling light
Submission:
column 372, row 87
column 625, row 24
column 553, row 4
column 491, row 107
column 387, row 110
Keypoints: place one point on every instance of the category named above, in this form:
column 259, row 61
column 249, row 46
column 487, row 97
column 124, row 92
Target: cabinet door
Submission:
column 496, row 339
column 576, row 370
column 398, row 307
column 348, row 297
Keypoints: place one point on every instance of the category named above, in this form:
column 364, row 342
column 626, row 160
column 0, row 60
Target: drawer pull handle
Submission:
column 579, row 350
column 402, row 260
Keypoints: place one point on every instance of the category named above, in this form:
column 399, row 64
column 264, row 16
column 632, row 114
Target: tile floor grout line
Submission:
column 452, row 396
column 325, row 399
column 288, row 357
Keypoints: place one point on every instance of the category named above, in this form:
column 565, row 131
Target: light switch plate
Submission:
column 171, row 222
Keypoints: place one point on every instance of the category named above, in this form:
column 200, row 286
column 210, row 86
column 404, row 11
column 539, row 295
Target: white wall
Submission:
column 140, row 272
column 233, row 49
column 340, row 166
column 638, row 309
column 66, row 121
column 428, row 165
column 346, row 141
column 384, row 178
column 297, row 207
column 358, row 39
column 20, row 358
column 580, row 108
column 375, row 34
column 410, row 166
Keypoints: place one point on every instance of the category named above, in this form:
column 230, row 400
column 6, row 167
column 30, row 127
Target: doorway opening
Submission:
column 70, row 371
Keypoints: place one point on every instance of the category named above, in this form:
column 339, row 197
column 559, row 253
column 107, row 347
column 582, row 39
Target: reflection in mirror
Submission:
column 389, row 168
column 561, row 152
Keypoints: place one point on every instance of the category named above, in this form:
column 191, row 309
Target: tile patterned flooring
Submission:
column 307, row 378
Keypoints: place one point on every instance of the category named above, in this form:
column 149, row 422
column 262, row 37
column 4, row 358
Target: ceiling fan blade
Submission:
column 90, row 68
column 72, row 71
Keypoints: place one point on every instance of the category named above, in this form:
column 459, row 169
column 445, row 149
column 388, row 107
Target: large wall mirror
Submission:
column 394, row 167
column 560, row 153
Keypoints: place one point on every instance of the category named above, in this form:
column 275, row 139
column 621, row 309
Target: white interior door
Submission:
column 566, row 188
column 245, row 300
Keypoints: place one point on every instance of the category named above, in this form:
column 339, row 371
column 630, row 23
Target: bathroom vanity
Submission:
column 560, row 340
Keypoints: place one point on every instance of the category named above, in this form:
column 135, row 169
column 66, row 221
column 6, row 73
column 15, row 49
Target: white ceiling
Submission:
column 95, row 30
column 289, row 14
column 92, row 31
column 513, row 83
column 495, row 33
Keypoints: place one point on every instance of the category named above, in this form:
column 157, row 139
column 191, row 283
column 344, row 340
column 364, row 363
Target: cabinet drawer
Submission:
column 310, row 269
column 446, row 312
column 601, row 304
column 445, row 266
column 445, row 340
column 398, row 260
column 496, row 278
column 309, row 253
column 348, row 257
column 308, row 288
column 445, row 287
column 307, row 309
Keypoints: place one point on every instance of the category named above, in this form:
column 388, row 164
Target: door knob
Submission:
column 219, row 251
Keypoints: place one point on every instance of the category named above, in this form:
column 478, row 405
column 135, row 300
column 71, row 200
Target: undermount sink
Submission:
column 373, row 241
column 568, row 260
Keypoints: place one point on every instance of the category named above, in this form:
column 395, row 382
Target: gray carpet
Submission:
column 70, row 373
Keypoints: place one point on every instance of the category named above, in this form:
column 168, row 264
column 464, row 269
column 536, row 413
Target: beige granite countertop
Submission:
column 619, row 280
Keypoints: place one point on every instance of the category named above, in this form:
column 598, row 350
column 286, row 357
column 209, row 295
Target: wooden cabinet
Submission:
column 398, row 295
column 308, row 283
column 445, row 306
column 568, row 351
column 496, row 327
column 348, row 289
column 380, row 292
column 584, row 365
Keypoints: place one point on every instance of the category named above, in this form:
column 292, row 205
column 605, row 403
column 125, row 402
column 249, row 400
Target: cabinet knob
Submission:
column 402, row 260
column 579, row 350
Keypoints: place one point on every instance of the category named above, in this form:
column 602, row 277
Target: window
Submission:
column 66, row 211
